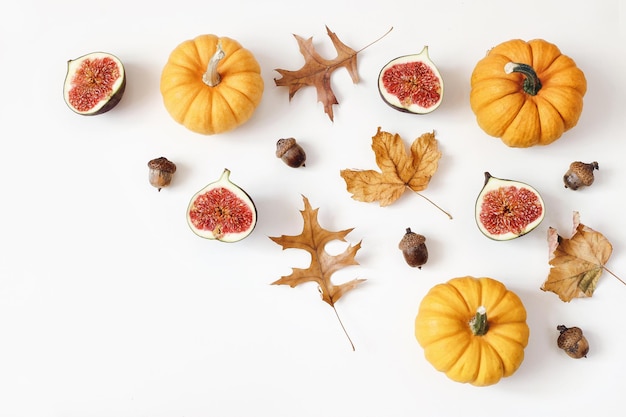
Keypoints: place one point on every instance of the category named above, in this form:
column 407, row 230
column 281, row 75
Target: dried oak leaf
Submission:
column 313, row 239
column 317, row 71
column 576, row 263
column 399, row 169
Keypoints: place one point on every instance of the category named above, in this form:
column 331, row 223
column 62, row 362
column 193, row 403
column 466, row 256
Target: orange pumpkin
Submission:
column 527, row 93
column 473, row 329
column 211, row 84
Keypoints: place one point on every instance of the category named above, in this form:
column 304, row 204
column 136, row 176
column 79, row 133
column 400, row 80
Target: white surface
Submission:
column 111, row 306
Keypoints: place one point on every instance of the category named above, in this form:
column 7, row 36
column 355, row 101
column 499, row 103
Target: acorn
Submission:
column 290, row 152
column 572, row 341
column 413, row 247
column 579, row 174
column 161, row 172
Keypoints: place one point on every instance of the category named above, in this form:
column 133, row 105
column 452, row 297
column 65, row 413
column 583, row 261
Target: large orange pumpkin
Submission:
column 211, row 84
column 473, row 329
column 527, row 93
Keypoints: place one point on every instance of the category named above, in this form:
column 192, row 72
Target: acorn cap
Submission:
column 573, row 342
column 411, row 240
column 584, row 171
column 568, row 337
column 283, row 146
column 162, row 164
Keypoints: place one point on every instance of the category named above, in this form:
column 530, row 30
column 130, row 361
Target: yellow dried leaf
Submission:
column 576, row 263
column 399, row 169
column 314, row 239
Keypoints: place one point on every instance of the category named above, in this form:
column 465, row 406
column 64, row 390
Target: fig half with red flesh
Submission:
column 411, row 83
column 222, row 211
column 507, row 209
column 94, row 83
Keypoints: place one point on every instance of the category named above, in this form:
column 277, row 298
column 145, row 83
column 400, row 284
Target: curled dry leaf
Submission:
column 576, row 262
column 399, row 169
column 316, row 71
column 313, row 239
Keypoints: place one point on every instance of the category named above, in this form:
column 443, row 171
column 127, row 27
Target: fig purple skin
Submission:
column 94, row 83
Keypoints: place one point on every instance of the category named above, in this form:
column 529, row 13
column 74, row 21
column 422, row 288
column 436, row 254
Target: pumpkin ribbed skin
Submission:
column 200, row 107
column 505, row 110
column 442, row 328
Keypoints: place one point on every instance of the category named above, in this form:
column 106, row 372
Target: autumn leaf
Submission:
column 314, row 239
column 576, row 263
column 317, row 70
column 399, row 169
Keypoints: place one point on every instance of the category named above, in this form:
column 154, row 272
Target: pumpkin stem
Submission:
column 211, row 77
column 532, row 84
column 478, row 323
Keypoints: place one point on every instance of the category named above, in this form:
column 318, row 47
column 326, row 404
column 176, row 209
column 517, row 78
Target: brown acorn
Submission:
column 290, row 152
column 572, row 341
column 579, row 174
column 161, row 172
column 413, row 247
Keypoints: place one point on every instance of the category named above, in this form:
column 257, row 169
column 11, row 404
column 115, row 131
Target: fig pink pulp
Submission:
column 411, row 83
column 507, row 209
column 94, row 83
column 222, row 211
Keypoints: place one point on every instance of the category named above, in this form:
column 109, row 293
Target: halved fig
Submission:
column 411, row 83
column 94, row 83
column 222, row 211
column 507, row 209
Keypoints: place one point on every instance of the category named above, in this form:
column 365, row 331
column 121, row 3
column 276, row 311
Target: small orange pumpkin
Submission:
column 527, row 93
column 211, row 84
column 473, row 329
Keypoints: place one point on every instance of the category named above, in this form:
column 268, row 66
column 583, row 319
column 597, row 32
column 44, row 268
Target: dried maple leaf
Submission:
column 399, row 169
column 576, row 263
column 317, row 71
column 313, row 239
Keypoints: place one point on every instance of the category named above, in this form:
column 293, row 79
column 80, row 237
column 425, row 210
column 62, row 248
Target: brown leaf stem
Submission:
column 610, row 272
column 372, row 43
column 343, row 328
column 433, row 203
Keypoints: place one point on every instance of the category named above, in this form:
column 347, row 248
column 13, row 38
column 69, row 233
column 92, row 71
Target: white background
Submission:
column 111, row 306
